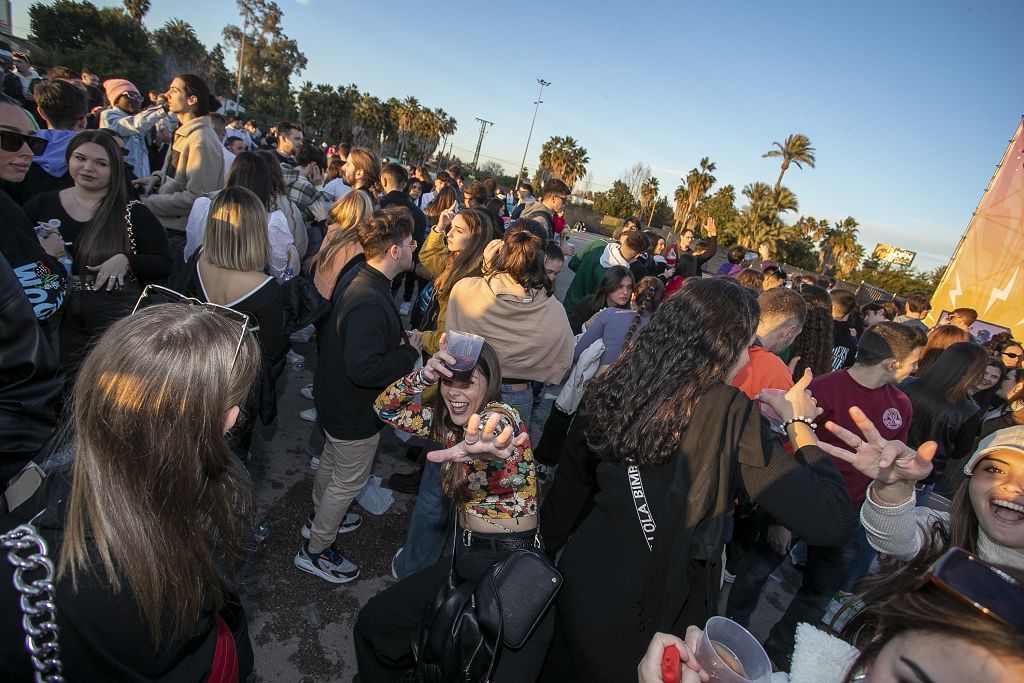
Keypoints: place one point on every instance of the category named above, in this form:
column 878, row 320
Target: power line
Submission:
column 480, row 140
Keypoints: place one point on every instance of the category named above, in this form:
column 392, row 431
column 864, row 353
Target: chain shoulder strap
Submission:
column 128, row 224
column 27, row 553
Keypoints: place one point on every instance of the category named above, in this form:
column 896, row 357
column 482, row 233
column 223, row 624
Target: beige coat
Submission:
column 194, row 168
column 528, row 330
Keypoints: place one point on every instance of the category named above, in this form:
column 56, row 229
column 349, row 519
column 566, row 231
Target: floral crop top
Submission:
column 494, row 489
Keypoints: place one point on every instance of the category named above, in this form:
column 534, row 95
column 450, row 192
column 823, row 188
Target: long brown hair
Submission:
column 442, row 426
column 107, row 233
column 442, row 201
column 469, row 261
column 521, row 257
column 157, row 497
column 369, row 163
column 346, row 214
column 939, row 339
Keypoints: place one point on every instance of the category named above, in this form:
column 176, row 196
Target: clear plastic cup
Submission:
column 465, row 348
column 730, row 654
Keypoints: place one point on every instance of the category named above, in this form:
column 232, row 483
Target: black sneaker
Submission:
column 350, row 523
column 408, row 482
column 328, row 565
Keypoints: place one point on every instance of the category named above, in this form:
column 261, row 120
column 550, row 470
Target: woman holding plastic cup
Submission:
column 488, row 477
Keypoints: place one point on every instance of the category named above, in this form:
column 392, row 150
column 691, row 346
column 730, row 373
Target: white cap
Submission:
column 1009, row 439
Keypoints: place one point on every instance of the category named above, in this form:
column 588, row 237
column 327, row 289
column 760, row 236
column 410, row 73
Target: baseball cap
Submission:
column 1009, row 439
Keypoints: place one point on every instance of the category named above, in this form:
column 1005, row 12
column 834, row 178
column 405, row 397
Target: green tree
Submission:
column 662, row 214
column 268, row 61
column 697, row 183
column 721, row 206
column 840, row 252
column 107, row 40
column 179, row 50
column 895, row 279
column 618, row 201
column 137, row 9
column 649, row 198
column 796, row 149
column 564, row 158
column 218, row 77
column 369, row 118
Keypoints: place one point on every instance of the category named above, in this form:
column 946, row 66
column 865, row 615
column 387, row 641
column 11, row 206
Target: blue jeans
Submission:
column 428, row 529
column 521, row 400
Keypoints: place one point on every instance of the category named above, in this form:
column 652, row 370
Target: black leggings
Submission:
column 388, row 623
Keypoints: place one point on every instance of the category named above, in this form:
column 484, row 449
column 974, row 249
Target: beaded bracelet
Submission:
column 806, row 420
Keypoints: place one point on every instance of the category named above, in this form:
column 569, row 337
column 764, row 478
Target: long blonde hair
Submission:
column 346, row 214
column 157, row 496
column 236, row 231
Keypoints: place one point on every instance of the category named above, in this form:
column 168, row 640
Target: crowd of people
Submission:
column 157, row 259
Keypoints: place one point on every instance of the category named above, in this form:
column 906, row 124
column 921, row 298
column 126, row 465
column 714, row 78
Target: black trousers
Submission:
column 388, row 623
column 552, row 438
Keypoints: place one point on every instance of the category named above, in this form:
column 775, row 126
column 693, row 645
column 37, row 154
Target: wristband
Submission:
column 801, row 418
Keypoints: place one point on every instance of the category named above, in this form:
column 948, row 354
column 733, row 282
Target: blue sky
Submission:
column 909, row 104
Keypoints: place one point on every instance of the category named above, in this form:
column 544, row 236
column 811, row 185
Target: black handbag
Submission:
column 468, row 622
column 303, row 304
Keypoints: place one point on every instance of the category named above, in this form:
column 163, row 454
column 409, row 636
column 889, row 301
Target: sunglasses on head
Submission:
column 977, row 584
column 11, row 141
column 154, row 295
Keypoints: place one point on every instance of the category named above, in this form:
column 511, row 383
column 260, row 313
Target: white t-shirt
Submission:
column 282, row 244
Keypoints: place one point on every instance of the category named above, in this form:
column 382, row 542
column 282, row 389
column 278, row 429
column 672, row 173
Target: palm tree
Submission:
column 649, row 196
column 405, row 115
column 179, row 49
column 795, row 150
column 369, row 118
column 136, row 9
column 840, row 251
column 564, row 158
column 695, row 187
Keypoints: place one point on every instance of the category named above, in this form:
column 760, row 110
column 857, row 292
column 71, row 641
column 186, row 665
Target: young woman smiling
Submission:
column 116, row 245
column 488, row 474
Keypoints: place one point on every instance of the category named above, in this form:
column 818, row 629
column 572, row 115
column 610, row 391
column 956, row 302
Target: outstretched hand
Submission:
column 886, row 461
column 483, row 442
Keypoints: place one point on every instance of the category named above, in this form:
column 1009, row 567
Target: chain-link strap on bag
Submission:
column 27, row 554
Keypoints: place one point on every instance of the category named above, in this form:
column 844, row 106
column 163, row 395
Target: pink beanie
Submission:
column 115, row 87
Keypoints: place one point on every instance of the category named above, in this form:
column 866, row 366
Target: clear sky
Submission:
column 910, row 104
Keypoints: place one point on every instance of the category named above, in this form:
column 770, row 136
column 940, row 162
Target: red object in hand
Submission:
column 670, row 666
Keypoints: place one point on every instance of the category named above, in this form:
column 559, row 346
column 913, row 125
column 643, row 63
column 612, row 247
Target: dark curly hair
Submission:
column 647, row 296
column 691, row 343
column 814, row 343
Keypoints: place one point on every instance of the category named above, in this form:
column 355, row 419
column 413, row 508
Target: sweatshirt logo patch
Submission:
column 892, row 419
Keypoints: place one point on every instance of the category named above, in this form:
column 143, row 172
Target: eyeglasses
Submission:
column 558, row 196
column 413, row 244
column 11, row 141
column 1010, row 354
column 155, row 295
column 978, row 584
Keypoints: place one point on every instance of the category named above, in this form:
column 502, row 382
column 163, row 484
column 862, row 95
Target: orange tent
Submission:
column 985, row 272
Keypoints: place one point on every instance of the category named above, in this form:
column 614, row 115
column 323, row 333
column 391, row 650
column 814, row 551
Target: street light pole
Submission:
column 519, row 175
column 241, row 61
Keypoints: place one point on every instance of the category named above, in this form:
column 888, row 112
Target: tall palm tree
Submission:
column 136, row 9
column 563, row 157
column 839, row 248
column 795, row 150
column 405, row 114
column 369, row 118
column 649, row 196
column 696, row 185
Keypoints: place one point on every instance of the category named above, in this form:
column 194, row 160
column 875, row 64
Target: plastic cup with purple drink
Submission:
column 465, row 349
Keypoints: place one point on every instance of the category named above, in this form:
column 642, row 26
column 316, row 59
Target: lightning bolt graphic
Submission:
column 1004, row 293
column 955, row 292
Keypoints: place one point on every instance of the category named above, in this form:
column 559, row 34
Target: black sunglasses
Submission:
column 978, row 584
column 1011, row 354
column 11, row 141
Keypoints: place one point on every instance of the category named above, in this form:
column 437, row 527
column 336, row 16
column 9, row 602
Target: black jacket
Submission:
column 362, row 352
column 30, row 378
column 42, row 278
column 419, row 220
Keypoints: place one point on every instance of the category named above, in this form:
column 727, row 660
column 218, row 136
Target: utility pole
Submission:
column 480, row 140
column 241, row 62
column 519, row 173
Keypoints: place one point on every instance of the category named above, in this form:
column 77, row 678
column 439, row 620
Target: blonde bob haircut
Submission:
column 236, row 231
column 158, row 500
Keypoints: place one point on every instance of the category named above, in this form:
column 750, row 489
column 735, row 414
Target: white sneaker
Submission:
column 314, row 463
column 328, row 565
column 309, row 414
column 405, row 308
column 307, row 391
column 351, row 522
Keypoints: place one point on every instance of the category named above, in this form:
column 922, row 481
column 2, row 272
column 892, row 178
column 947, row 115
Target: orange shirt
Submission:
column 764, row 371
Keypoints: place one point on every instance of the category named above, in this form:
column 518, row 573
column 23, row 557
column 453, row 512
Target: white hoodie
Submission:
column 612, row 256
